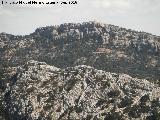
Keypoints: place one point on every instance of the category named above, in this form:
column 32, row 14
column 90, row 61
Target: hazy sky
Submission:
column 141, row 15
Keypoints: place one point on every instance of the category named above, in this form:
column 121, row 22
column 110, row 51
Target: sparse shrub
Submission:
column 114, row 93
column 125, row 102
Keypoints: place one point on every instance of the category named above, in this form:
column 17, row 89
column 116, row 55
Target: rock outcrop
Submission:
column 38, row 91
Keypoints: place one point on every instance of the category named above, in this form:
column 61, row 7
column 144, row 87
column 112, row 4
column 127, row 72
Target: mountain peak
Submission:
column 84, row 70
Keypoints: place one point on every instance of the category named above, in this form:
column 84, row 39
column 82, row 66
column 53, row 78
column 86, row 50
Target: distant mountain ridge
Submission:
column 102, row 46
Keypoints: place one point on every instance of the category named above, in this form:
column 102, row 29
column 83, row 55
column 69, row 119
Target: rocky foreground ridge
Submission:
column 102, row 46
column 37, row 91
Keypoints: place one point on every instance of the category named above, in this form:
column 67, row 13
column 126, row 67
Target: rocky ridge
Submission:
column 102, row 46
column 85, row 71
column 38, row 91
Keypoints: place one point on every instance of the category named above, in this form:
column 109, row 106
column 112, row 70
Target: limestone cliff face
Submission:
column 39, row 91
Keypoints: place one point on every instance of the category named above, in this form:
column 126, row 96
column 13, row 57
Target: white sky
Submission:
column 141, row 15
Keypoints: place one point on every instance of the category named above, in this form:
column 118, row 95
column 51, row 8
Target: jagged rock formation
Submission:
column 38, row 91
column 102, row 46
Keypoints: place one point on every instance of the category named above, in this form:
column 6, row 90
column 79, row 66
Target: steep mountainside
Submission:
column 80, row 71
column 42, row 92
column 103, row 46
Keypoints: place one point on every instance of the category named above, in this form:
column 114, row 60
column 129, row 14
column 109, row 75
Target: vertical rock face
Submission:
column 45, row 92
column 85, row 71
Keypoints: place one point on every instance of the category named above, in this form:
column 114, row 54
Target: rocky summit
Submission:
column 80, row 71
column 103, row 46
